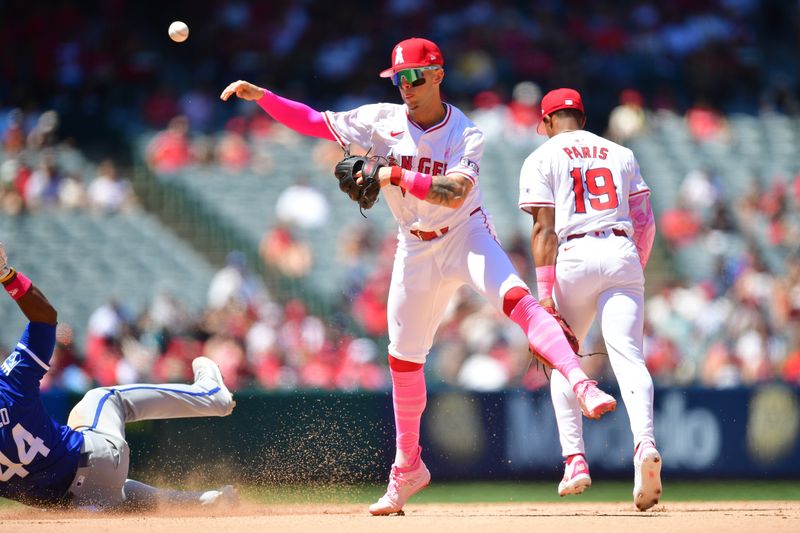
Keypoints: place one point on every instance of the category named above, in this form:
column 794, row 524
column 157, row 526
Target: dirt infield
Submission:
column 479, row 518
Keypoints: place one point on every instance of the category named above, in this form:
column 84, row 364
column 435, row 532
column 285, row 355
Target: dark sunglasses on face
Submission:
column 413, row 76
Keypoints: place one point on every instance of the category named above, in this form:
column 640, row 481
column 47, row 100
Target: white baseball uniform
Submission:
column 588, row 180
column 462, row 246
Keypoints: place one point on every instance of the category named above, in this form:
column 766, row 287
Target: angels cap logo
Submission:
column 398, row 56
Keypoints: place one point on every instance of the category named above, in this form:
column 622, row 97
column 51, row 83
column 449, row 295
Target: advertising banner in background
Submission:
column 349, row 438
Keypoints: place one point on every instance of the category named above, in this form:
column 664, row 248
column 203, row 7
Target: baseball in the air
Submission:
column 178, row 31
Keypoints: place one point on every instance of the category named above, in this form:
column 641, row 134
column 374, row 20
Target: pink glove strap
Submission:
column 545, row 279
column 19, row 286
column 416, row 183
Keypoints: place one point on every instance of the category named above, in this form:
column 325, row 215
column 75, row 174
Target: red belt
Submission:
column 617, row 232
column 430, row 235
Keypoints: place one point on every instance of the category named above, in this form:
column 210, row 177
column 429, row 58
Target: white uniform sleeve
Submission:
column 637, row 184
column 355, row 126
column 535, row 189
column 465, row 157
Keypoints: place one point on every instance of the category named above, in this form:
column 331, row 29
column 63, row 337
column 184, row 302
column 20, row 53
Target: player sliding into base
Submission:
column 85, row 463
column 445, row 238
column 592, row 234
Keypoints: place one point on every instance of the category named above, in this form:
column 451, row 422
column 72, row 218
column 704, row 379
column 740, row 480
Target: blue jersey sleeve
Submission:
column 29, row 362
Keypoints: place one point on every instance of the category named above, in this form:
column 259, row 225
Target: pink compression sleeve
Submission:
column 644, row 226
column 295, row 115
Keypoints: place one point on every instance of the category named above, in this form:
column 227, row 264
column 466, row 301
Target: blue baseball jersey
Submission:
column 38, row 456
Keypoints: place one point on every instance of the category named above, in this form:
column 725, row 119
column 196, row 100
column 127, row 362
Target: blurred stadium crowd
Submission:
column 108, row 70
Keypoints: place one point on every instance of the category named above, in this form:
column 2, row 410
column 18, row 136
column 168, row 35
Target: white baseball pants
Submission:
column 426, row 274
column 601, row 275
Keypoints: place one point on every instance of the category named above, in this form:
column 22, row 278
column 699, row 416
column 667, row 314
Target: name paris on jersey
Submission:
column 585, row 152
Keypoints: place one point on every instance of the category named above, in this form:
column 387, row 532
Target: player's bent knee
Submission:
column 512, row 298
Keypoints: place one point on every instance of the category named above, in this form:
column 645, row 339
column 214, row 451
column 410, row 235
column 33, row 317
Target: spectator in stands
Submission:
column 679, row 225
column 14, row 134
column 370, row 305
column 302, row 205
column 628, row 119
column 790, row 370
column 108, row 325
column 45, row 133
column 11, row 201
column 233, row 152
column 700, row 190
column 706, row 123
column 356, row 253
column 281, row 250
column 168, row 151
column 107, row 191
column 233, row 283
column 66, row 370
column 524, row 112
column 360, row 369
column 230, row 356
column 72, row 192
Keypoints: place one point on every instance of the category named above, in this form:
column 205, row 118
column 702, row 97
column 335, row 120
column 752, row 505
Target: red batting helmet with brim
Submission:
column 413, row 53
column 558, row 99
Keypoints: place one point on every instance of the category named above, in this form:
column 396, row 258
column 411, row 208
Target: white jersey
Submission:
column 455, row 145
column 586, row 178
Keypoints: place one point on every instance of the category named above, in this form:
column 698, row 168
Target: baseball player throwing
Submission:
column 445, row 238
column 85, row 463
column 592, row 234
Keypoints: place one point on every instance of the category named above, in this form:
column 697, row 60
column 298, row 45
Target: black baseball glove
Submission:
column 366, row 193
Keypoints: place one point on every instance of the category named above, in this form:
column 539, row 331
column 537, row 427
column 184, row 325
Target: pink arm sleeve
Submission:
column 295, row 115
column 644, row 226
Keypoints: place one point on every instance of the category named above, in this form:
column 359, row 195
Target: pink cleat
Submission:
column 402, row 485
column 594, row 402
column 647, row 475
column 576, row 476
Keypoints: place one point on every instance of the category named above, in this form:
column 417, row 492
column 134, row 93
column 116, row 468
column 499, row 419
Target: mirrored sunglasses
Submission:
column 413, row 76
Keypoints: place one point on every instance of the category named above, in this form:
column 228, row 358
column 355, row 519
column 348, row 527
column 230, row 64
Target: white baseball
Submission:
column 178, row 31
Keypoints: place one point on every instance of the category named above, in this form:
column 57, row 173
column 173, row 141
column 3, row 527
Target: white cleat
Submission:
column 227, row 495
column 402, row 485
column 594, row 402
column 576, row 476
column 205, row 368
column 647, row 476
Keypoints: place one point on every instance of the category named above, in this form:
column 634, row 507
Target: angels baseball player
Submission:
column 592, row 234
column 445, row 238
column 85, row 463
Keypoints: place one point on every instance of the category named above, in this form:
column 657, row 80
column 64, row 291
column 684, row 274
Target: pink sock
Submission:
column 409, row 397
column 547, row 337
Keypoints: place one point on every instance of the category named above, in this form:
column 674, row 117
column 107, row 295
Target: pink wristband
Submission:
column 19, row 286
column 416, row 183
column 545, row 279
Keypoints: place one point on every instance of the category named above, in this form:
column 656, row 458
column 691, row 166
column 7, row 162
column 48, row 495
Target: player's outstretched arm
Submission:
column 29, row 298
column 544, row 248
column 294, row 115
